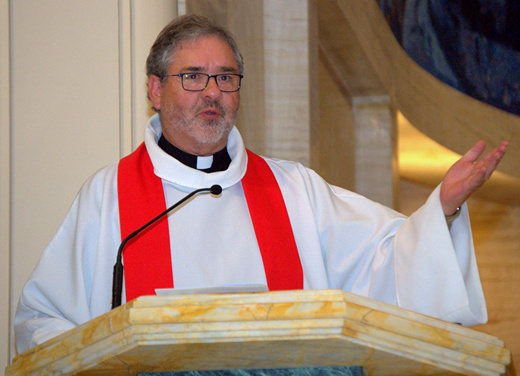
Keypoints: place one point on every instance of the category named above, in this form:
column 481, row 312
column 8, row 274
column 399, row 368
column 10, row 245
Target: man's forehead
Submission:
column 206, row 47
column 211, row 55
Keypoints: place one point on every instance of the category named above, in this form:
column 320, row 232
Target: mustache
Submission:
column 212, row 105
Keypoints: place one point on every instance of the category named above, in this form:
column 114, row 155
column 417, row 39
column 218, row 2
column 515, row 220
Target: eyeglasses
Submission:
column 226, row 82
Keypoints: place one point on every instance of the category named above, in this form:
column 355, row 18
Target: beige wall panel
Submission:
column 497, row 241
column 249, row 36
column 149, row 18
column 65, row 115
column 5, row 185
column 139, row 23
column 333, row 140
column 289, row 47
column 376, row 149
column 65, row 118
column 373, row 139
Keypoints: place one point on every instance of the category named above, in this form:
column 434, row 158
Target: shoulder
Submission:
column 303, row 187
column 99, row 185
column 295, row 173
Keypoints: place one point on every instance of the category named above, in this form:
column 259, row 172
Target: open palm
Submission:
column 467, row 175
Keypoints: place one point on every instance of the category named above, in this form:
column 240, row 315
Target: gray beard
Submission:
column 210, row 131
column 207, row 131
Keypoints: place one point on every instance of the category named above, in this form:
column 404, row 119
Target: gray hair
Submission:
column 189, row 27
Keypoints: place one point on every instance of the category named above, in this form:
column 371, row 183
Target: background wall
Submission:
column 73, row 99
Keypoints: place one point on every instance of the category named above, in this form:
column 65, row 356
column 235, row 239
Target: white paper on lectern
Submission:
column 223, row 289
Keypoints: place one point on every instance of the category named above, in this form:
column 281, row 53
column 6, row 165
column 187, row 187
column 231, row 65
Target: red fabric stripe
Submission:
column 272, row 226
column 147, row 257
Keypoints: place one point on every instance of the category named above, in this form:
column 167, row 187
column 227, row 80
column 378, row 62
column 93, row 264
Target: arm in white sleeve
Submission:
column 75, row 269
column 417, row 263
column 54, row 298
column 436, row 268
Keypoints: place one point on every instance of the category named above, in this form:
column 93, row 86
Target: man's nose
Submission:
column 212, row 90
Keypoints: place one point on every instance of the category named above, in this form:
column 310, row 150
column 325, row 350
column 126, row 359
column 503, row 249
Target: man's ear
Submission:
column 154, row 91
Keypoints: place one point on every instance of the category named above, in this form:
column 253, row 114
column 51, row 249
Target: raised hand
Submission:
column 467, row 175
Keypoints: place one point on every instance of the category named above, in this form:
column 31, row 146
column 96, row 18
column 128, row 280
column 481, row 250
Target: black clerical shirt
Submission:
column 221, row 159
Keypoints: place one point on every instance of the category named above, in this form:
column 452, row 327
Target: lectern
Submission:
column 282, row 329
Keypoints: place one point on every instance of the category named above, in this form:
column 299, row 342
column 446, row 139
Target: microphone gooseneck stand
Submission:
column 117, row 281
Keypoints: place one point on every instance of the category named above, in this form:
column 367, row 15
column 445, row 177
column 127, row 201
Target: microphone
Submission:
column 117, row 281
column 215, row 190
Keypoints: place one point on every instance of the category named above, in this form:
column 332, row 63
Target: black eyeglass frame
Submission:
column 215, row 76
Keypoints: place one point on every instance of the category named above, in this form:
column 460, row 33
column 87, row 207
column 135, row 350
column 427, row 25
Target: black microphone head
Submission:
column 215, row 189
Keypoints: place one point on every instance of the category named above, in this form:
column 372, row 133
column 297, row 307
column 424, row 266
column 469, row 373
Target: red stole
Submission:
column 147, row 257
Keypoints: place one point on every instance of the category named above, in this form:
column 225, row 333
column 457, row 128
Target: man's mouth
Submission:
column 210, row 113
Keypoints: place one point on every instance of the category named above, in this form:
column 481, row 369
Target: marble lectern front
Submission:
column 284, row 329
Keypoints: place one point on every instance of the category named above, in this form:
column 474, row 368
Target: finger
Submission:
column 475, row 152
column 495, row 157
column 500, row 150
column 488, row 164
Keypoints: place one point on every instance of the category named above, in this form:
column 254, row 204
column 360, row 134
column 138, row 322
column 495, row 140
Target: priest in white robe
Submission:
column 425, row 263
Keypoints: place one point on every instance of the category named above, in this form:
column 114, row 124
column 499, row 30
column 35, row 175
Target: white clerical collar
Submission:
column 186, row 178
column 204, row 163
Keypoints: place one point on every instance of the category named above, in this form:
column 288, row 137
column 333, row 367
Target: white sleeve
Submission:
column 53, row 299
column 417, row 263
column 436, row 268
column 60, row 292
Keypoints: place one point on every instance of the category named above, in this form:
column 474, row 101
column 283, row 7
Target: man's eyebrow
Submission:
column 228, row 69
column 192, row 69
column 223, row 69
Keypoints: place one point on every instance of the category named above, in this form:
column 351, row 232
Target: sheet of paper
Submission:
column 224, row 289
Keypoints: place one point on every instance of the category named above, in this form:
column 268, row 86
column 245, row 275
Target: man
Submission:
column 275, row 223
